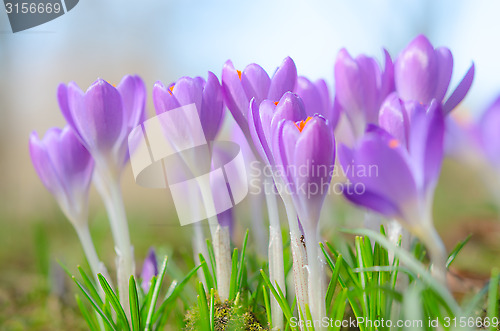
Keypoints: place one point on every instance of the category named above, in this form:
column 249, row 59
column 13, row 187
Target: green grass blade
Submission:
column 267, row 304
column 85, row 313
column 239, row 281
column 206, row 272
column 134, row 305
column 147, row 300
column 212, row 309
column 203, row 307
column 333, row 281
column 90, row 285
column 114, row 301
column 173, row 294
column 234, row 275
column 493, row 297
column 156, row 292
column 211, row 256
column 109, row 322
column 456, row 250
column 279, row 297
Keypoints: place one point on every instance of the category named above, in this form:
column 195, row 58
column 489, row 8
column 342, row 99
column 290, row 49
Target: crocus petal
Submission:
column 259, row 121
column 369, row 72
column 489, row 126
column 394, row 118
column 416, row 71
column 133, row 92
column 284, row 79
column 372, row 201
column 284, row 138
column 255, row 82
column 234, row 96
column 387, row 79
column 459, row 93
column 149, row 270
column 426, row 144
column 163, row 99
column 97, row 115
column 310, row 95
column 211, row 113
column 290, row 107
column 445, row 69
column 187, row 91
column 394, row 179
column 42, row 164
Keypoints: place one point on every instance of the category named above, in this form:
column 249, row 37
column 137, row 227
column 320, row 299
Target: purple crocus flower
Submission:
column 305, row 152
column 264, row 119
column 65, row 167
column 361, row 87
column 423, row 73
column 103, row 116
column 206, row 95
column 407, row 161
column 240, row 87
column 149, row 270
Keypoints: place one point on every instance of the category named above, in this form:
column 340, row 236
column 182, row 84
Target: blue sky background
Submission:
column 165, row 39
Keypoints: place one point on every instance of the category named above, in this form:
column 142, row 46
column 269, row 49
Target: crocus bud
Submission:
column 65, row 168
column 423, row 73
column 361, row 87
column 149, row 270
column 103, row 116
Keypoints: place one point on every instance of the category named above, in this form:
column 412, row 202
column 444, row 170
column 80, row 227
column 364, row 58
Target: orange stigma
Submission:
column 276, row 103
column 302, row 124
column 114, row 85
column 239, row 73
column 171, row 89
column 393, row 143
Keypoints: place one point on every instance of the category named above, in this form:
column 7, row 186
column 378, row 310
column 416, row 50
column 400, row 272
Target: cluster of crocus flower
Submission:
column 396, row 121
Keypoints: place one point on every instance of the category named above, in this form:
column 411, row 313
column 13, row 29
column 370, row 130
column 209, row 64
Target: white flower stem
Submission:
column 96, row 266
column 315, row 266
column 109, row 189
column 275, row 253
column 200, row 247
column 221, row 242
column 437, row 252
column 299, row 258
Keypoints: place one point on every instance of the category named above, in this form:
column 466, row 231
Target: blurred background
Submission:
column 164, row 40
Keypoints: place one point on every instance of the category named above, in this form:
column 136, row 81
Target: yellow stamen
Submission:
column 239, row 73
column 301, row 124
column 114, row 85
column 171, row 89
column 393, row 143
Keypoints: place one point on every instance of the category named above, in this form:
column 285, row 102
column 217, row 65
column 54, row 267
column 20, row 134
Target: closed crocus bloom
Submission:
column 65, row 167
column 206, row 95
column 240, row 87
column 360, row 88
column 423, row 73
column 305, row 153
column 103, row 116
column 398, row 179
